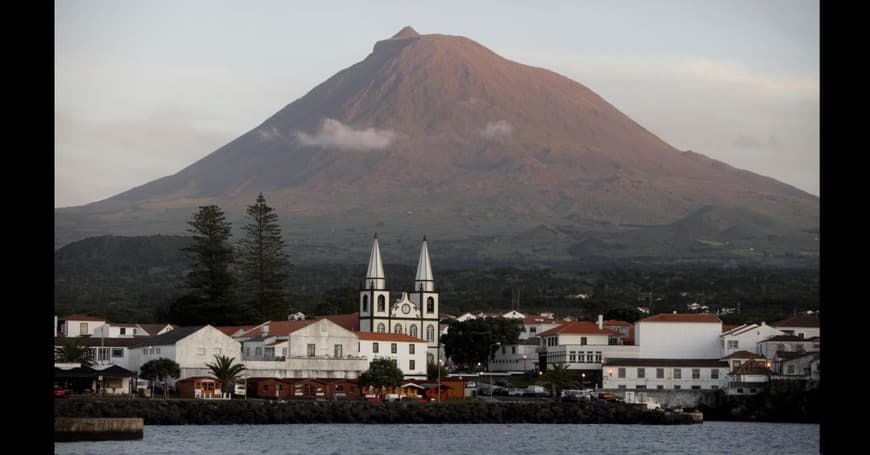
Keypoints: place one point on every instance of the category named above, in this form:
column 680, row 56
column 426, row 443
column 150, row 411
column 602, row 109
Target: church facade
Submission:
column 414, row 313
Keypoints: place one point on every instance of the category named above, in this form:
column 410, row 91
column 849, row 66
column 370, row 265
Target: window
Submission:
column 620, row 373
column 678, row 387
column 589, row 357
column 597, row 356
column 413, row 331
column 374, row 347
column 381, row 327
column 582, row 341
column 752, row 390
column 780, row 347
column 412, row 365
column 641, row 373
column 696, row 387
column 572, row 356
column 790, row 369
column 714, row 373
column 337, row 351
column 394, row 348
column 430, row 358
column 411, row 348
column 739, row 390
column 201, row 351
column 640, row 387
column 265, row 387
column 430, row 333
column 123, row 330
column 258, row 351
column 678, row 373
column 312, row 349
column 158, row 351
column 513, row 349
column 733, row 344
column 134, row 330
column 622, row 387
column 397, row 328
column 696, row 373
column 395, row 362
column 381, row 303
column 430, row 305
column 533, row 329
column 612, row 341
column 737, row 363
column 660, row 373
column 660, row 387
column 83, row 328
column 117, row 353
column 365, row 304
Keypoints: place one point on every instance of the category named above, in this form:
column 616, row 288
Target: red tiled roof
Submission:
column 79, row 317
column 743, row 355
column 381, row 336
column 349, row 322
column 800, row 320
column 751, row 368
column 229, row 330
column 729, row 327
column 583, row 327
column 277, row 328
column 152, row 329
column 683, row 317
column 534, row 319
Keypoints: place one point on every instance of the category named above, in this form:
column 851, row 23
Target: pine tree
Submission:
column 263, row 261
column 210, row 282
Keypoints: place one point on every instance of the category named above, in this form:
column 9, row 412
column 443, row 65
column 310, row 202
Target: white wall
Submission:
column 72, row 328
column 512, row 358
column 747, row 340
column 402, row 355
column 631, row 380
column 678, row 340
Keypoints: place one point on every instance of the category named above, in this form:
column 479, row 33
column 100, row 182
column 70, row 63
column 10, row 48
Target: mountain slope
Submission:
column 437, row 133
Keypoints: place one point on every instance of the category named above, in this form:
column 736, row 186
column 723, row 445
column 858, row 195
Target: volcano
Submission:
column 493, row 159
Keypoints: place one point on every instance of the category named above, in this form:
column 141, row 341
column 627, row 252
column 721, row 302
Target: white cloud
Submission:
column 333, row 133
column 499, row 128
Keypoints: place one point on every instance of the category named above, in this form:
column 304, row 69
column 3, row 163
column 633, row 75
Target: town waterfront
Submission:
column 500, row 439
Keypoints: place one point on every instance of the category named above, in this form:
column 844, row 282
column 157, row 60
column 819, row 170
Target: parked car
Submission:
column 470, row 385
column 502, row 383
column 59, row 392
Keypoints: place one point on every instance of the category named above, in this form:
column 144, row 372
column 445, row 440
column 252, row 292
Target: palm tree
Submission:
column 72, row 351
column 558, row 376
column 224, row 370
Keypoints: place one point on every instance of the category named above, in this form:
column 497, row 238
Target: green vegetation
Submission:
column 471, row 342
column 263, row 262
column 381, row 373
column 160, row 370
column 224, row 369
column 72, row 351
column 557, row 378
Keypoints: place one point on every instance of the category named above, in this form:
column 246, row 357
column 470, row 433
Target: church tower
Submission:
column 374, row 296
column 426, row 299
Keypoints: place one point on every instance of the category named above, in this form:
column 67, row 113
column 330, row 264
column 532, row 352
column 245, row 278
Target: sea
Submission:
column 480, row 439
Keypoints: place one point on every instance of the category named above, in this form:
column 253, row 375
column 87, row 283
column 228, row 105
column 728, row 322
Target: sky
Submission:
column 145, row 88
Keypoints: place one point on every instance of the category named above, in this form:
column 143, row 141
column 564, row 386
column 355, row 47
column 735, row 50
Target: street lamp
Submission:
column 582, row 380
column 491, row 354
column 525, row 367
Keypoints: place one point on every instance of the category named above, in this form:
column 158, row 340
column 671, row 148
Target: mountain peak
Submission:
column 407, row 32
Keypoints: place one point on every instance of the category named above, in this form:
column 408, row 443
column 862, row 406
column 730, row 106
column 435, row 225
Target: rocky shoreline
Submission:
column 222, row 412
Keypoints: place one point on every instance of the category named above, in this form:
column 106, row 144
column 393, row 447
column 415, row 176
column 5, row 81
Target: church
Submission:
column 414, row 315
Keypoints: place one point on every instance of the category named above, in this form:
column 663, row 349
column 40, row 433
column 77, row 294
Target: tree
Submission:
column 263, row 261
column 381, row 373
column 624, row 313
column 210, row 283
column 558, row 377
column 160, row 369
column 432, row 370
column 471, row 341
column 72, row 351
column 224, row 369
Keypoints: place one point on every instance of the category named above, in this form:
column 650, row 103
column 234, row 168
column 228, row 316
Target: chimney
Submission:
column 264, row 330
column 600, row 322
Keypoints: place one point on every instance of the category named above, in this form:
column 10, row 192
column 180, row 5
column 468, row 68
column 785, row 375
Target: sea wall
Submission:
column 204, row 412
column 97, row 428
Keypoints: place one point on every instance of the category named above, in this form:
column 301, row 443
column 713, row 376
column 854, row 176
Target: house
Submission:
column 269, row 340
column 749, row 378
column 533, row 325
column 191, row 347
column 119, row 330
column 665, row 374
column 234, row 330
column 735, row 359
column 407, row 352
column 102, row 380
column 156, row 329
column 624, row 330
column 199, row 387
column 269, row 387
column 796, row 365
column 746, row 337
column 516, row 358
column 78, row 325
column 786, row 343
column 801, row 325
column 106, row 351
column 679, row 336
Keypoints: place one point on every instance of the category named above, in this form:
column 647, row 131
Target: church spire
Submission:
column 375, row 275
column 425, row 280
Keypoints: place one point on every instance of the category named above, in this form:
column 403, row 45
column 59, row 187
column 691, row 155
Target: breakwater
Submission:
column 97, row 429
column 216, row 412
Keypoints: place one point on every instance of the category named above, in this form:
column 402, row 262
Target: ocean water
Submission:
column 495, row 439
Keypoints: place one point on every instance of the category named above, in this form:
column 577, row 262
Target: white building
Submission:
column 665, row 374
column 414, row 314
column 408, row 353
column 749, row 378
column 534, row 325
column 679, row 336
column 787, row 343
column 76, row 325
column 516, row 358
column 746, row 337
column 119, row 330
column 802, row 325
column 106, row 351
column 190, row 347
